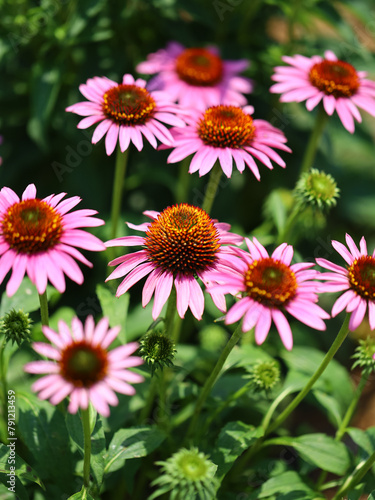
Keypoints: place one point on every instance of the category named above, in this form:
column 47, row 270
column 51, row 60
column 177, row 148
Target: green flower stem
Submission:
column 343, row 332
column 118, row 185
column 271, row 410
column 347, row 418
column 212, row 186
column 341, row 336
column 312, row 146
column 355, row 477
column 182, row 188
column 170, row 312
column 351, row 409
column 43, row 301
column 243, row 390
column 86, row 446
column 210, row 382
column 283, row 236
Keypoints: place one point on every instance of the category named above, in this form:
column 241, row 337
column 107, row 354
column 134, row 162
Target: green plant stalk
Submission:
column 283, row 236
column 118, row 186
column 212, row 186
column 341, row 336
column 312, row 146
column 347, row 418
column 224, row 405
column 155, row 383
column 86, row 446
column 210, row 382
column 43, row 301
column 343, row 332
column 355, row 477
column 182, row 188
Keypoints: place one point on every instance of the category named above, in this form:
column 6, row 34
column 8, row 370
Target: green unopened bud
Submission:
column 317, row 189
column 264, row 375
column 157, row 350
column 189, row 474
column 364, row 355
column 15, row 325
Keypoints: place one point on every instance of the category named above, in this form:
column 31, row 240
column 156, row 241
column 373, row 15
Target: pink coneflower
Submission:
column 125, row 112
column 181, row 244
column 327, row 79
column 227, row 133
column 270, row 286
column 196, row 77
column 357, row 279
column 39, row 238
column 82, row 368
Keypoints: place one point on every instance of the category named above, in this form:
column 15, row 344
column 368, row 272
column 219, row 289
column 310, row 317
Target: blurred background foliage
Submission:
column 48, row 48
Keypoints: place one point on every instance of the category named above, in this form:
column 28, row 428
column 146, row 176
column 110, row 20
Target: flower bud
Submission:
column 15, row 325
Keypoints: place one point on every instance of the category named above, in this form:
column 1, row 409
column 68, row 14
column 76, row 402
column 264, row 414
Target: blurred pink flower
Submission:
column 270, row 286
column 80, row 366
column 196, row 77
column 328, row 79
column 39, row 237
column 125, row 112
column 181, row 244
column 226, row 133
column 357, row 280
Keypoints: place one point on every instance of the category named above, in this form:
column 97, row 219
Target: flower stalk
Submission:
column 118, row 187
column 211, row 189
column 312, row 146
column 210, row 382
column 86, row 446
column 43, row 301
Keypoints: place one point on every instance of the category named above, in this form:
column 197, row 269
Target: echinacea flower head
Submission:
column 270, row 287
column 356, row 280
column 227, row 133
column 39, row 238
column 126, row 112
column 316, row 189
column 81, row 367
column 181, row 244
column 188, row 474
column 197, row 77
column 334, row 82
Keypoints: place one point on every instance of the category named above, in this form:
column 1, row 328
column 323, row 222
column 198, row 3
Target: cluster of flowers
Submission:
column 183, row 244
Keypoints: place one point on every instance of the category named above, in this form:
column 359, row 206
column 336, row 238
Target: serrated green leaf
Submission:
column 22, row 469
column 98, row 444
column 233, row 440
column 115, row 308
column 132, row 443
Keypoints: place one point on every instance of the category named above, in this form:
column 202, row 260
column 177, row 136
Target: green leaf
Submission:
column 22, row 469
column 25, row 298
column 363, row 440
column 319, row 450
column 45, row 85
column 81, row 495
column 307, row 360
column 115, row 308
column 132, row 443
column 9, row 494
column 233, row 440
column 42, row 429
column 98, row 445
column 372, row 496
column 287, row 483
column 331, row 406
